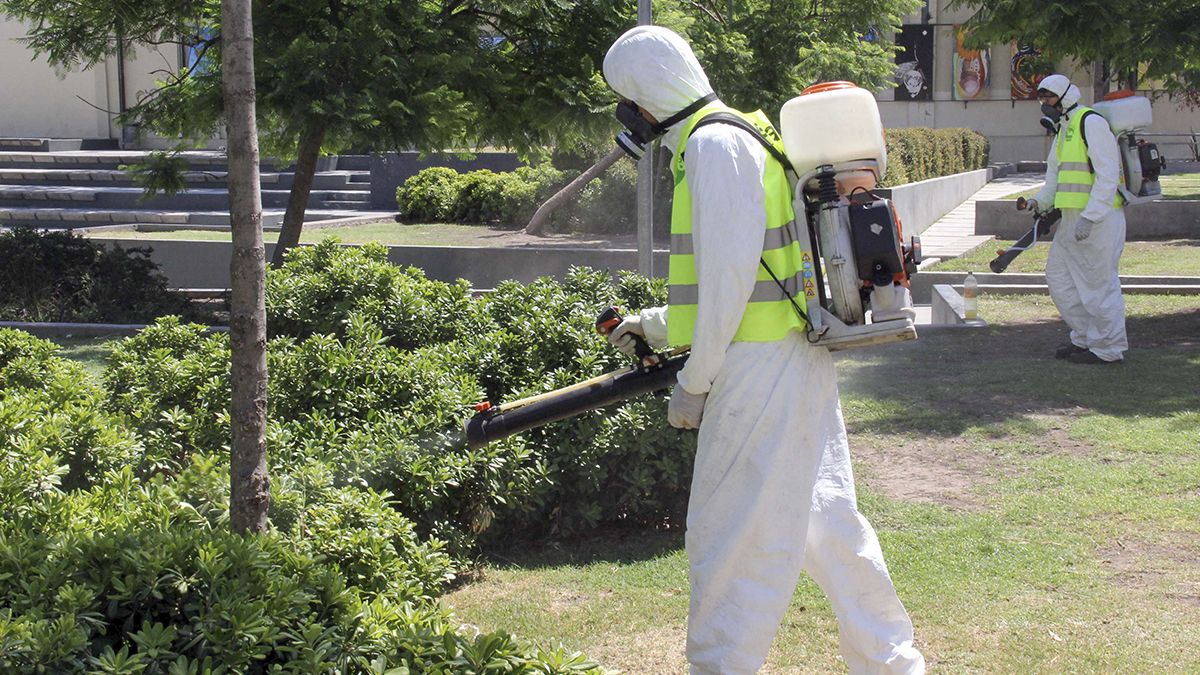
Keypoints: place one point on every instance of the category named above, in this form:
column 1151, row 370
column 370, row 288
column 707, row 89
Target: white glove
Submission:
column 622, row 337
column 1031, row 204
column 1083, row 229
column 685, row 409
column 650, row 323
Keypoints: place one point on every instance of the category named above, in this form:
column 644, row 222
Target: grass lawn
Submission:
column 1177, row 257
column 1174, row 186
column 400, row 234
column 1037, row 516
column 89, row 351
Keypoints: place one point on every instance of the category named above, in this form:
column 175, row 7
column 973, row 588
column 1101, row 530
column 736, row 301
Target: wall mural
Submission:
column 914, row 63
column 1028, row 68
column 972, row 69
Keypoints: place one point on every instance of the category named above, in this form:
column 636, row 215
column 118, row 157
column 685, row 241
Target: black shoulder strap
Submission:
column 734, row 120
column 1083, row 133
column 1083, row 128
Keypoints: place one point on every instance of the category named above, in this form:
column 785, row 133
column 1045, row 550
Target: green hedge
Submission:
column 607, row 205
column 510, row 198
column 919, row 153
column 61, row 276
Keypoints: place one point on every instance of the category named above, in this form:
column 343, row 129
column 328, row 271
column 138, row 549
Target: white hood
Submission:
column 655, row 68
column 1060, row 85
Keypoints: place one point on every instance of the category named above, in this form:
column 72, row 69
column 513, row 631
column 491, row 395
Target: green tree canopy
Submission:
column 1157, row 41
column 332, row 75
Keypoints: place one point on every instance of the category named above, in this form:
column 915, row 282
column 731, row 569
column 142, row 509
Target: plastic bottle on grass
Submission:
column 970, row 297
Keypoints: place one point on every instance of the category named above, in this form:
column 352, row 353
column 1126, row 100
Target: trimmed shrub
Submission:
column 918, row 153
column 429, row 195
column 60, row 276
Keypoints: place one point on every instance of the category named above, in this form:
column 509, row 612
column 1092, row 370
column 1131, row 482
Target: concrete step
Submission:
column 349, row 205
column 196, row 199
column 208, row 160
column 55, row 144
column 353, row 163
column 63, row 218
column 327, row 180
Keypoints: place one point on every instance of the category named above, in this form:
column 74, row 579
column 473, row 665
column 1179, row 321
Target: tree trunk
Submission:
column 250, row 492
column 306, row 169
column 542, row 217
column 1100, row 78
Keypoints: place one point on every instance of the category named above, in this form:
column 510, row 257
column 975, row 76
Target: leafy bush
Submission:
column 54, row 429
column 429, row 195
column 482, row 196
column 384, row 409
column 606, row 205
column 60, row 276
column 131, row 577
column 320, row 289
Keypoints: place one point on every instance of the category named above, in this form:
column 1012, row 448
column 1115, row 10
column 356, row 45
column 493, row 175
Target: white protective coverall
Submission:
column 772, row 491
column 1082, row 275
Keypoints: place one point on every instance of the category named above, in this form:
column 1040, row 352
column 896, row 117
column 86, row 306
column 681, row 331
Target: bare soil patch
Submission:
column 947, row 472
column 1173, row 569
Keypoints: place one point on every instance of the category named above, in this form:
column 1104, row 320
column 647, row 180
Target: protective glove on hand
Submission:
column 1083, row 229
column 686, row 409
column 650, row 323
column 622, row 337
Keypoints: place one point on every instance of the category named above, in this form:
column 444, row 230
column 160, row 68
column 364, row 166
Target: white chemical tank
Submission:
column 1124, row 111
column 832, row 123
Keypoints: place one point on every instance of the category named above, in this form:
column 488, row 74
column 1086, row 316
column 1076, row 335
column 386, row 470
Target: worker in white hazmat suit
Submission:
column 1082, row 172
column 772, row 493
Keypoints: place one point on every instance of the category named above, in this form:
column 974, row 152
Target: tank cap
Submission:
column 829, row 86
column 1118, row 94
column 483, row 406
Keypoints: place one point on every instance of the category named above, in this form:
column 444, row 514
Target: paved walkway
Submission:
column 954, row 234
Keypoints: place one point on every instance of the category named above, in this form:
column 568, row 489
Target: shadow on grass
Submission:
column 622, row 545
column 950, row 380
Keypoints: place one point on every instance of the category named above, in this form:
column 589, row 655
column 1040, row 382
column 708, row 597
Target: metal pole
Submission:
column 645, row 186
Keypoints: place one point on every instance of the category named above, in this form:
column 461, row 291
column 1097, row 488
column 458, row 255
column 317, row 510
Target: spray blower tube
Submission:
column 493, row 424
column 653, row 372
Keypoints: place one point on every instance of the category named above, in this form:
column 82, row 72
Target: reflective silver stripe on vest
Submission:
column 1074, row 187
column 764, row 291
column 779, row 237
column 1074, row 166
column 681, row 244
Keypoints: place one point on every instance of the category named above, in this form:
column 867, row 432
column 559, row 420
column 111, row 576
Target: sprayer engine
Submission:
column 833, row 137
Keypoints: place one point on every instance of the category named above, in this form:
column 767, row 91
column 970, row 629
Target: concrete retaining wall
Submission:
column 1167, row 218
column 921, row 204
column 205, row 264
column 923, row 284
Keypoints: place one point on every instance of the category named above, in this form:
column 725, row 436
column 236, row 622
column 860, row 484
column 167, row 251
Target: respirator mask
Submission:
column 1051, row 116
column 640, row 132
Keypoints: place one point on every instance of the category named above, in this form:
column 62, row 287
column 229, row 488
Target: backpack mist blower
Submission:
column 1043, row 223
column 855, row 264
column 652, row 372
column 833, row 137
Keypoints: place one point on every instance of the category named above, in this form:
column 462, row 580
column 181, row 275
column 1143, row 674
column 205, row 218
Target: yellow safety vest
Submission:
column 1075, row 174
column 769, row 315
